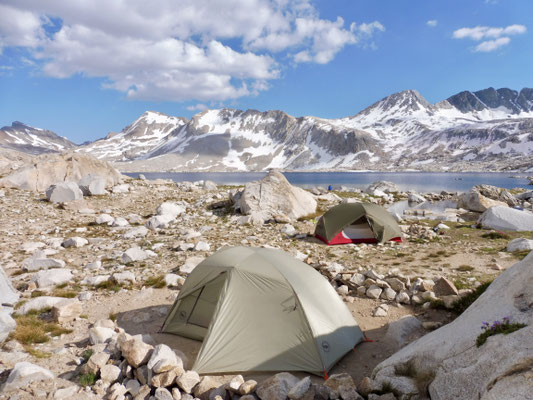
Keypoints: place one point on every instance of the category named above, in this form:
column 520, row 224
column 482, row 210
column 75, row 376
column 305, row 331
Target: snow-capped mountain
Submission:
column 28, row 139
column 489, row 128
column 145, row 133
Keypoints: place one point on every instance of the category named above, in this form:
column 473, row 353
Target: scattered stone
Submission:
column 164, row 359
column 100, row 334
column 137, row 232
column 202, row 246
column 170, row 209
column 158, row 221
column 191, row 264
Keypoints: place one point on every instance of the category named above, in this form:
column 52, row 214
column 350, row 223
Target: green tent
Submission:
column 260, row 309
column 357, row 223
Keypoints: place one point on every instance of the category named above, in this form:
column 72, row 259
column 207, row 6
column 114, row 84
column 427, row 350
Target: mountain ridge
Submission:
column 400, row 131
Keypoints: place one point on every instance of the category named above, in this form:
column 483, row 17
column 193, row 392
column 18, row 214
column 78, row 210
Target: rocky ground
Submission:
column 121, row 270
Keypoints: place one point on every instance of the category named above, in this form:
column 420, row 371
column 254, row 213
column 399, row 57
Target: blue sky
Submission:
column 83, row 69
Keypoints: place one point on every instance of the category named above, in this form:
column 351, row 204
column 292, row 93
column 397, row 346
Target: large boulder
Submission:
column 275, row 197
column 47, row 170
column 63, row 192
column 8, row 294
column 449, row 362
column 475, row 201
column 519, row 244
column 507, row 219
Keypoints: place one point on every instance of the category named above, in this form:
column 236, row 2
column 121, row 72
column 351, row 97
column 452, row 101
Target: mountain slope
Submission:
column 145, row 133
column 32, row 140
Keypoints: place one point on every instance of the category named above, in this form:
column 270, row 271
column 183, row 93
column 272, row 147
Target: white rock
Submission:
column 23, row 374
column 164, row 359
column 35, row 264
column 374, row 292
column 505, row 218
column 74, row 242
column 357, row 279
column 520, row 244
column 188, row 380
column 120, row 222
column 171, row 209
column 95, row 280
column 104, row 219
column 172, row 279
column 63, row 192
column 289, row 230
column 66, row 393
column 66, row 310
column 380, row 312
column 52, row 277
column 123, row 188
column 99, row 334
column 190, row 264
column 134, row 254
column 202, row 246
column 400, row 331
column 139, row 231
column 158, row 221
column 94, row 265
column 274, row 196
column 123, row 277
column 109, row 373
column 388, row 294
column 93, row 185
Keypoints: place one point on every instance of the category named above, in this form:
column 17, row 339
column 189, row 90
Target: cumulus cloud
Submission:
column 178, row 50
column 432, row 23
column 492, row 37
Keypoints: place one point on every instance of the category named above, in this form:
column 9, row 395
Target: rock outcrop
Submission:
column 274, row 197
column 450, row 364
column 48, row 170
column 475, row 201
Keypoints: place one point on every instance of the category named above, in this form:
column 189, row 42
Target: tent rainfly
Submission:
column 258, row 309
column 357, row 223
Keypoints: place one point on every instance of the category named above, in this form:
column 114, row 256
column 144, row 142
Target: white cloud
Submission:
column 432, row 23
column 19, row 28
column 486, row 32
column 493, row 37
column 491, row 45
column 178, row 50
column 197, row 107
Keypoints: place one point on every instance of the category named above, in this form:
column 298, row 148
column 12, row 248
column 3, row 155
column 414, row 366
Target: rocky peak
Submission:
column 490, row 98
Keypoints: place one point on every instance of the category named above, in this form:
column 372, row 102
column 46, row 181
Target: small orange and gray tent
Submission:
column 258, row 309
column 357, row 223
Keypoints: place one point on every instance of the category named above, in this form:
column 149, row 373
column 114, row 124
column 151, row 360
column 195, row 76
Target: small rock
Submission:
column 134, row 254
column 74, row 242
column 374, row 292
column 188, row 380
column 136, row 351
column 109, row 373
column 445, row 287
column 66, row 310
